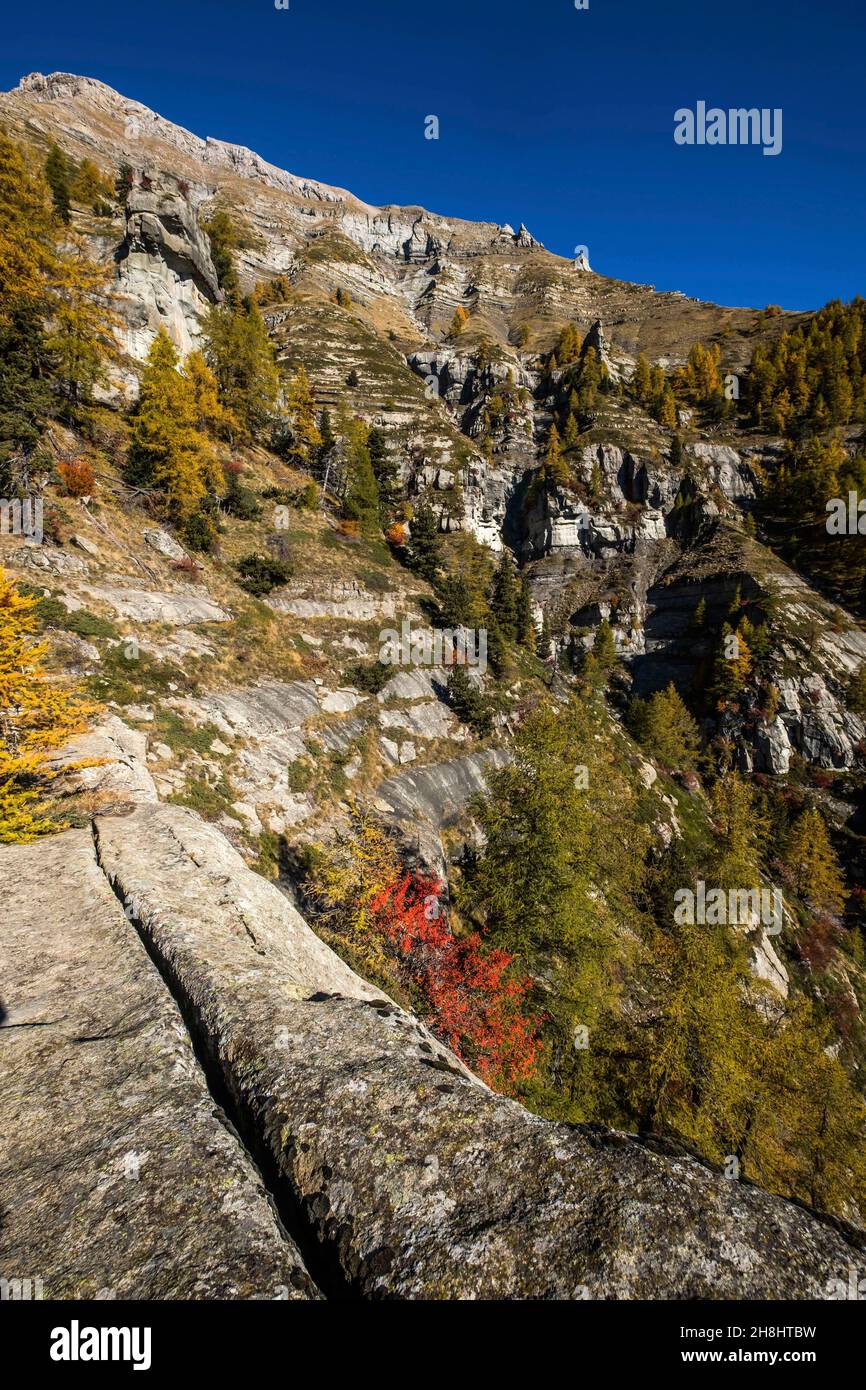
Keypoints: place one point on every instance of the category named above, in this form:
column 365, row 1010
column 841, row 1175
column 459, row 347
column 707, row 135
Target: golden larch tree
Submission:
column 37, row 716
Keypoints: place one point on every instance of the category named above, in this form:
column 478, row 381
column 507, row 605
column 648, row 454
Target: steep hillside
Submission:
column 436, row 603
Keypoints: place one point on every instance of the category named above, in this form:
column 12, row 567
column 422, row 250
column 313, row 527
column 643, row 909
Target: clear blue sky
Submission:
column 556, row 117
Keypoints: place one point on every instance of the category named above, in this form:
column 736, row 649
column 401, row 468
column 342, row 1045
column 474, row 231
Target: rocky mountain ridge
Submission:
column 335, row 1146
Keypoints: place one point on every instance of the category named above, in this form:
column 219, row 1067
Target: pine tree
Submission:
column 361, row 503
column 700, row 378
column 226, row 235
column 571, row 437
column 602, row 658
column 455, row 601
column 592, row 376
column 667, row 410
column 88, row 184
column 167, row 452
column 37, row 716
column 741, row 832
column 641, row 379
column 211, row 415
column 856, row 692
column 386, row 473
column 58, row 175
column 668, row 731
column 26, row 235
column 306, row 441
column 468, row 702
column 526, row 633
column 569, row 345
column 458, row 321
column 547, row 886
column 697, row 1082
column 732, row 668
column 326, row 433
column 425, row 541
column 503, row 597
column 123, row 184
column 25, row 389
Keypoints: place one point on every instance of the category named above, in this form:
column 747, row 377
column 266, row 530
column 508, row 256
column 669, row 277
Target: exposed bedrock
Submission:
column 120, row 1177
column 410, row 1177
column 165, row 268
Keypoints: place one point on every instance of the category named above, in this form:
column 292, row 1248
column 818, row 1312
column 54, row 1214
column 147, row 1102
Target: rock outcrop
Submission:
column 165, row 271
column 408, row 1177
column 120, row 1175
column 109, row 760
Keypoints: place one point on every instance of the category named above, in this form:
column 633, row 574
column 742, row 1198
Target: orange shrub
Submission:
column 77, row 477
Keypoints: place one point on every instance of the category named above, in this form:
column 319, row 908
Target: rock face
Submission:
column 347, row 600
column 121, row 1177
column 176, row 609
column 165, row 270
column 110, row 759
column 438, row 794
column 411, row 1179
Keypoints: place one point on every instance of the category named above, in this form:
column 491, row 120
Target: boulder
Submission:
column 86, row 544
column 163, row 543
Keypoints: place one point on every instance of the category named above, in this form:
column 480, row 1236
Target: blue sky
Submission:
column 556, row 117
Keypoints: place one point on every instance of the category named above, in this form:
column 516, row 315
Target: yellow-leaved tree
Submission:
column 37, row 716
column 26, row 234
column 811, row 859
column 211, row 415
column 301, row 409
column 346, row 880
column 168, row 452
column 81, row 324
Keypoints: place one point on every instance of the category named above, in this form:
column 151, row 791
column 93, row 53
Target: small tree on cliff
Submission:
column 554, row 470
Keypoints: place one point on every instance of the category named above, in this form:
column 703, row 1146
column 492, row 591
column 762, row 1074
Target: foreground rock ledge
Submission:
column 411, row 1179
column 119, row 1177
column 418, row 1180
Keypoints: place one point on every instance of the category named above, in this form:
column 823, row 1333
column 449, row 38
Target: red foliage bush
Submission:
column 77, row 477
column 816, row 943
column 471, row 992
